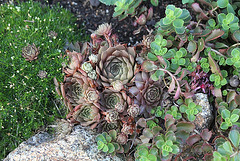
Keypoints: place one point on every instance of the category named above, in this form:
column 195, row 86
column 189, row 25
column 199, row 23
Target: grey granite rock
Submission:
column 205, row 117
column 78, row 145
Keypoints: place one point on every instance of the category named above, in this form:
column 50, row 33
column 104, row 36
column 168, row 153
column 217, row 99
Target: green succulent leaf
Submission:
column 224, row 126
column 111, row 148
column 225, row 114
column 154, row 3
column 105, row 148
column 178, row 23
column 234, row 118
column 101, row 138
column 143, row 152
column 228, row 147
column 100, row 145
column 222, row 3
column 234, row 137
column 175, row 149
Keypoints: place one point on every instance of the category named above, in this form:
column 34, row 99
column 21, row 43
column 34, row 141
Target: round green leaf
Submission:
column 228, row 147
column 105, row 148
column 180, row 30
column 111, row 148
column 183, row 108
column 178, row 23
column 181, row 61
column 143, row 152
column 234, row 137
column 234, row 118
column 212, row 22
column 191, row 118
column 224, row 126
column 152, row 57
column 152, row 157
column 100, row 145
column 175, row 149
column 222, row 3
column 225, row 114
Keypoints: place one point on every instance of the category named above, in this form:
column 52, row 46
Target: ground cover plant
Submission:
column 32, row 38
column 120, row 90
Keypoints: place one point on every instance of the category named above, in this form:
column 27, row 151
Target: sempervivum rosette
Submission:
column 109, row 99
column 85, row 114
column 116, row 63
column 147, row 92
column 78, row 90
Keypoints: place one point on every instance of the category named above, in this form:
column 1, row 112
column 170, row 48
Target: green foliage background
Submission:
column 26, row 101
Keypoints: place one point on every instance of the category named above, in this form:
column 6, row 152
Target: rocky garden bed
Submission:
column 158, row 80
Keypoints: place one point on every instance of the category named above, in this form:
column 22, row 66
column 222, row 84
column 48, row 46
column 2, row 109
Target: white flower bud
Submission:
column 87, row 67
column 92, row 74
column 93, row 58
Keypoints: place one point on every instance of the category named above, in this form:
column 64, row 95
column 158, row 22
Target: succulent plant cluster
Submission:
column 142, row 97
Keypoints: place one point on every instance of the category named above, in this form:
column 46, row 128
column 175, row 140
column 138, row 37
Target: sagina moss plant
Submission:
column 26, row 80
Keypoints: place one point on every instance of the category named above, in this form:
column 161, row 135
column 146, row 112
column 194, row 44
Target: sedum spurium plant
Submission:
column 228, row 148
column 32, row 37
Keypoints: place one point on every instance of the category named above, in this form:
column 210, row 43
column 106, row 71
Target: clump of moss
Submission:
column 27, row 89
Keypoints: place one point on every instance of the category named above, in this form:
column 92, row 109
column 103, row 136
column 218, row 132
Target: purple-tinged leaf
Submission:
column 206, row 32
column 236, row 36
column 206, row 134
column 206, row 3
column 148, row 133
column 230, row 96
column 142, row 20
column 206, row 148
column 188, row 94
column 192, row 46
column 169, row 120
column 208, row 157
column 178, row 92
column 172, row 86
column 182, row 135
column 185, row 126
column 217, row 92
column 142, row 122
column 172, row 128
column 193, row 139
column 150, row 13
column 237, row 99
column 216, row 33
column 156, row 130
column 201, row 45
column 197, row 8
column 149, row 66
column 197, row 31
column 203, row 16
column 214, row 66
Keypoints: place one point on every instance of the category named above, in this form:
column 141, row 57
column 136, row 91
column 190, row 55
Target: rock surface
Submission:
column 205, row 117
column 78, row 145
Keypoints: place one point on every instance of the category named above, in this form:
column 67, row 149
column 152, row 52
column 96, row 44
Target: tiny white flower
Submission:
column 18, row 8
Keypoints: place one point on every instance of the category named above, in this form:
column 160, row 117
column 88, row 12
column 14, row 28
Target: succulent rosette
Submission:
column 109, row 99
column 85, row 114
column 116, row 63
column 30, row 52
column 75, row 60
column 147, row 92
column 77, row 90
